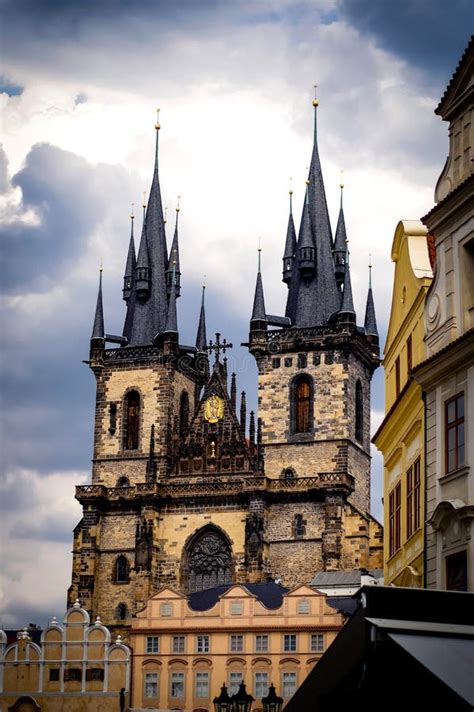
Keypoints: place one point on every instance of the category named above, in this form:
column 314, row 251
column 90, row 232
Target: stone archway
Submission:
column 25, row 704
column 207, row 560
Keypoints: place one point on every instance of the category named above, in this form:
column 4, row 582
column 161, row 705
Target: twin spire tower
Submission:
column 182, row 493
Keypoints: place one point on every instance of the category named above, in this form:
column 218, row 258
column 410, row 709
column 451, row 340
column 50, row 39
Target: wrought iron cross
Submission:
column 218, row 346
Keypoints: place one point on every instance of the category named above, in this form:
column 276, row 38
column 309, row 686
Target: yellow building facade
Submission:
column 400, row 438
column 186, row 648
column 75, row 667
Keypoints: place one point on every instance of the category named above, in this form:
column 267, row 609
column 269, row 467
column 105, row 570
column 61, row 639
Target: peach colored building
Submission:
column 76, row 667
column 186, row 648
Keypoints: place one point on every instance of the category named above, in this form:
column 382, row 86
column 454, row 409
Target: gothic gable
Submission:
column 214, row 443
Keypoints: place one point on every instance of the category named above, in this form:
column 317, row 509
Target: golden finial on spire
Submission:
column 341, row 184
column 177, row 205
column 166, row 213
column 132, row 214
column 291, row 186
column 204, row 281
column 101, row 266
column 157, row 125
column 144, row 199
column 315, row 101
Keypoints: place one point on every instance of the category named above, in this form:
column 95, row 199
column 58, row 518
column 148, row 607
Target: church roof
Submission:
column 269, row 593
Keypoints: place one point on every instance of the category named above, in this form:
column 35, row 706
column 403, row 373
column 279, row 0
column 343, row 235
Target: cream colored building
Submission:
column 186, row 648
column 400, row 437
column 76, row 667
column 447, row 374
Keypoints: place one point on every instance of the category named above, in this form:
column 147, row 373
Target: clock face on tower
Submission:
column 213, row 409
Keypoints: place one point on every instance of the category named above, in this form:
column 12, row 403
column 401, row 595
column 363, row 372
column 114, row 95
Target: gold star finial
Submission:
column 315, row 101
column 166, row 213
column 177, row 205
column 144, row 199
column 291, row 186
column 157, row 125
column 101, row 266
column 341, row 184
column 132, row 214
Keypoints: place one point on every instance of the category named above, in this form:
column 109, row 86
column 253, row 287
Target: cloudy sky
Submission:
column 234, row 83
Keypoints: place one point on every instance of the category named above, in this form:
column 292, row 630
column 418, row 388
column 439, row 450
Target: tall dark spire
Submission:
column 347, row 304
column 98, row 331
column 258, row 319
column 339, row 250
column 201, row 337
column 173, row 261
column 370, row 322
column 243, row 412
column 150, row 311
column 313, row 296
column 233, row 392
column 290, row 245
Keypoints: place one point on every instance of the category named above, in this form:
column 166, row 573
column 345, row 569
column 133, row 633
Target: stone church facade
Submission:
column 187, row 494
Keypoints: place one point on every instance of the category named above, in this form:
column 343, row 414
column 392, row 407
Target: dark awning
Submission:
column 451, row 660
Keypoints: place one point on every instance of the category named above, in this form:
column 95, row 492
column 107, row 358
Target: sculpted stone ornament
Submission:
column 214, row 409
column 254, row 540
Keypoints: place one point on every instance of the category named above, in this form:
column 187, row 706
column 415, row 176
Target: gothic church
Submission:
column 185, row 492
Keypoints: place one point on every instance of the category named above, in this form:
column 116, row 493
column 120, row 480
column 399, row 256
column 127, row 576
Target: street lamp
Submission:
column 223, row 703
column 242, row 700
column 272, row 703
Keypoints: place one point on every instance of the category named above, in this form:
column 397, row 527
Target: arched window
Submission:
column 299, row 526
column 301, row 407
column 359, row 412
column 121, row 569
column 123, row 481
column 131, row 421
column 121, row 612
column 207, row 560
column 183, row 413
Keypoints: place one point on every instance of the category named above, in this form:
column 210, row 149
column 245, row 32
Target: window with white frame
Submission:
column 235, row 678
column 236, row 643
column 288, row 684
column 201, row 684
column 178, row 644
column 202, row 644
column 317, row 642
column 261, row 685
column 152, row 644
column 289, row 643
column 236, row 608
column 166, row 610
column 177, row 684
column 303, row 607
column 151, row 684
column 261, row 643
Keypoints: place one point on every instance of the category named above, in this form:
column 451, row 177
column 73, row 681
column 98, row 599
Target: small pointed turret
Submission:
column 370, row 322
column 339, row 251
column 98, row 331
column 131, row 264
column 174, row 259
column 290, row 245
column 201, row 337
column 252, row 431
column 347, row 304
column 172, row 316
column 143, row 272
column 306, row 249
column 243, row 412
column 233, row 392
column 258, row 320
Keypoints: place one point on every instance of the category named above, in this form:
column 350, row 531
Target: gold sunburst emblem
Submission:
column 214, row 409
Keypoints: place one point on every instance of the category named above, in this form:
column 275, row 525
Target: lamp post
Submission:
column 242, row 700
column 272, row 703
column 223, row 703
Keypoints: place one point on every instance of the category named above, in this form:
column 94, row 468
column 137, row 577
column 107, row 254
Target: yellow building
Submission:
column 76, row 667
column 400, row 438
column 186, row 648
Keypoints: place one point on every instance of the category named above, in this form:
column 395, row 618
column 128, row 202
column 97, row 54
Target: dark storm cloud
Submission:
column 68, row 196
column 430, row 34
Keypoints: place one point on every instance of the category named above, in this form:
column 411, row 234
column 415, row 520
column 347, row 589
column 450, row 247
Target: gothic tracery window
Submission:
column 183, row 413
column 207, row 561
column 359, row 412
column 302, row 404
column 131, row 421
column 121, row 569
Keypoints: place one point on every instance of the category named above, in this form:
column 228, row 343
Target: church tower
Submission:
column 315, row 366
column 187, row 490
